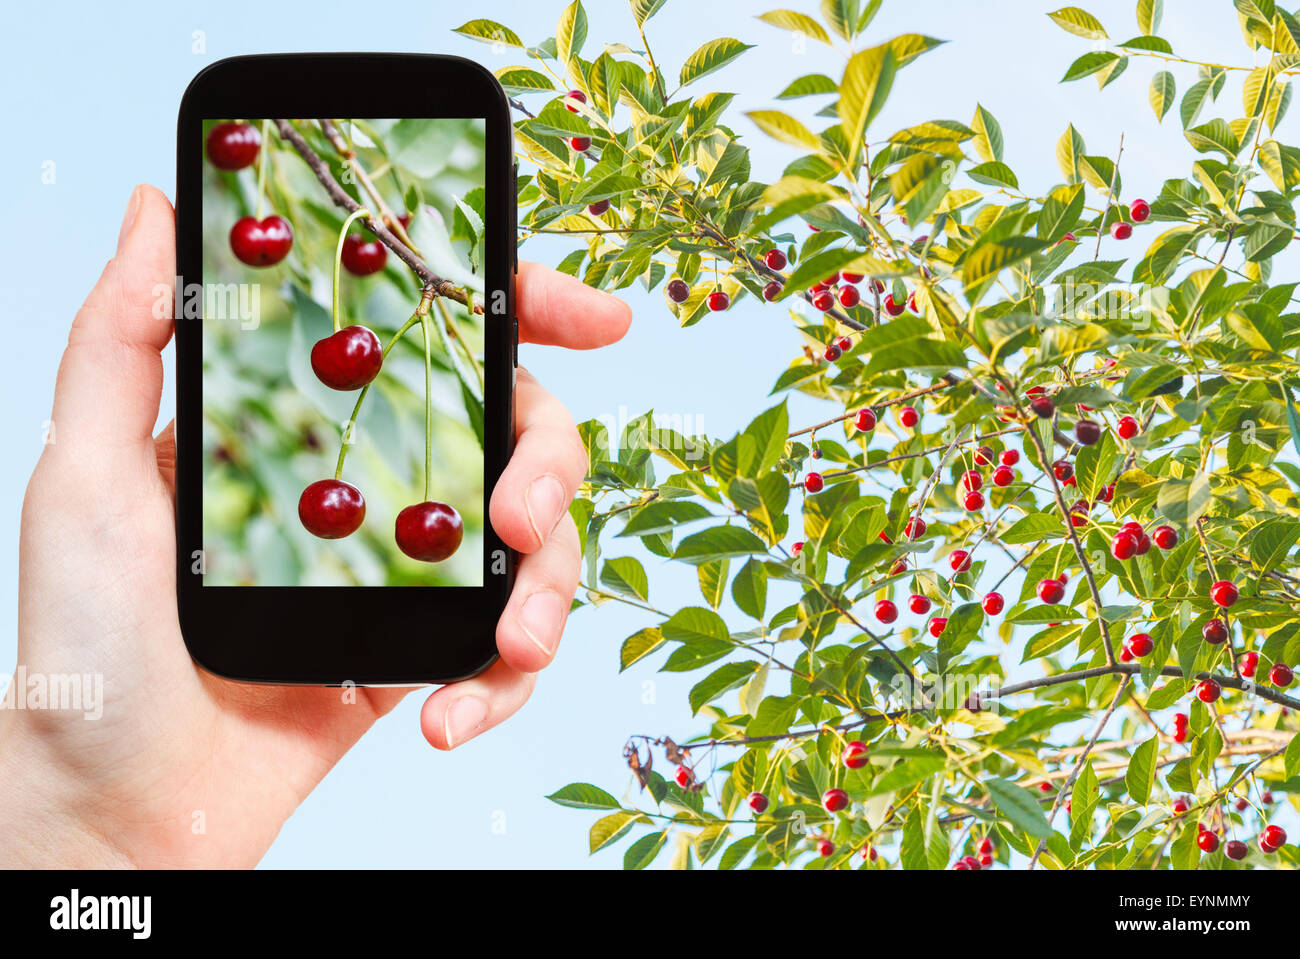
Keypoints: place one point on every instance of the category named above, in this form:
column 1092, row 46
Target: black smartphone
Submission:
column 346, row 344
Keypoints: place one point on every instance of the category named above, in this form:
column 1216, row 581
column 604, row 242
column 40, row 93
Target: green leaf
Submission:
column 1089, row 64
column 724, row 678
column 1214, row 136
column 642, row 852
column 1271, row 541
column 868, row 78
column 643, row 10
column 988, row 135
column 714, row 55
column 1148, row 15
column 842, row 15
column 994, row 173
column 987, row 260
column 695, row 624
column 663, row 516
column 626, row 575
column 523, row 80
column 1083, row 800
column 718, row 542
column 1068, row 151
column 796, row 22
column 489, row 31
column 610, row 829
column 639, row 645
column 1033, row 527
column 1079, row 22
column 1019, row 807
column 713, row 581
column 583, row 796
column 807, row 86
column 749, row 589
column 1184, row 501
column 571, row 32
column 1162, row 93
column 1291, row 758
column 1142, row 770
column 785, row 128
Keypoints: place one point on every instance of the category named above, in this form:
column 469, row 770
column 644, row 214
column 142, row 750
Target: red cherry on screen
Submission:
column 1208, row 842
column 331, row 509
column 772, row 290
column 1121, row 230
column 1235, row 850
column 678, row 291
column 574, row 95
column 908, row 417
column 1087, row 432
column 1281, row 675
column 1004, row 476
column 1139, row 210
column 1051, row 591
column 1127, row 427
column 429, row 532
column 1042, row 407
column 1215, row 632
column 866, row 420
column 719, row 301
column 348, row 359
column 1166, row 537
column 937, row 625
column 362, row 257
column 233, row 146
column 261, row 242
column 993, row 603
column 1208, row 691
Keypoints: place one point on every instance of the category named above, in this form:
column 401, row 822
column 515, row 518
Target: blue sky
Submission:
column 96, row 93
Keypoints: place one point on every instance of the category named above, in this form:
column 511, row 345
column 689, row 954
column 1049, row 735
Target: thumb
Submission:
column 110, row 379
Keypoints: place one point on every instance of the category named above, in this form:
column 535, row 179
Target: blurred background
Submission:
column 82, row 135
column 270, row 427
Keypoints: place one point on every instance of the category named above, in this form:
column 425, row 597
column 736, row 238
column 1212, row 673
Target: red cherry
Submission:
column 797, row 548
column 1208, row 691
column 1166, row 537
column 1241, row 805
column 1107, row 494
column 823, row 300
column 901, row 567
column 1004, row 476
column 1068, row 238
column 1235, row 850
column 1215, row 632
column 918, row 604
column 331, row 509
column 1125, row 654
column 1181, row 805
column 849, row 296
column 574, row 95
column 1208, row 842
column 993, row 603
column 684, row 776
column 1144, row 544
column 850, row 277
column 1044, row 787
column 1223, row 593
column 886, row 611
column 1062, row 470
column 824, row 846
column 598, row 208
column 1180, row 720
column 678, row 291
column 1139, row 210
column 984, row 456
column 233, row 146
column 937, row 625
column 1121, row 230
column 429, row 532
column 908, row 417
column 985, row 848
column 261, row 242
column 915, row 528
column 844, row 343
column 831, row 280
column 866, row 420
column 1079, row 513
column 833, row 353
column 1009, row 457
column 774, row 259
column 1051, row 591
column 833, row 800
column 959, row 560
column 580, row 144
column 362, row 257
column 813, row 483
column 972, row 480
column 772, row 290
column 1042, row 407
column 961, row 865
column 719, row 301
column 1124, row 545
column 1275, row 836
column 911, row 302
column 855, row 754
column 1127, row 427
column 816, row 288
column 893, row 307
column 348, row 359
column 1087, row 432
column 757, row 802
column 1133, row 529
column 1266, row 797
column 1141, row 644
column 1247, row 663
column 1281, row 675
column 974, row 502
column 986, row 862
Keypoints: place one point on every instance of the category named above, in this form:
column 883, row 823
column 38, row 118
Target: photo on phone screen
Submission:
column 342, row 412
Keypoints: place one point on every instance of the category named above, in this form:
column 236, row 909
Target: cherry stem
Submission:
column 262, row 159
column 346, row 441
column 425, row 322
column 338, row 259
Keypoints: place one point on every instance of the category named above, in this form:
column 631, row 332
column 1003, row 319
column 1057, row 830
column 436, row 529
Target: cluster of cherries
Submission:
column 982, row 860
column 349, row 359
column 1271, row 838
column 1139, row 211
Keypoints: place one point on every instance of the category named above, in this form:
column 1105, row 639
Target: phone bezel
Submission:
column 336, row 635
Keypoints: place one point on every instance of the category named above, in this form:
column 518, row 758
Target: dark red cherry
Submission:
column 261, row 243
column 331, row 509
column 233, row 146
column 429, row 532
column 598, row 208
column 362, row 257
column 1235, row 850
column 574, row 95
column 348, row 359
column 677, row 290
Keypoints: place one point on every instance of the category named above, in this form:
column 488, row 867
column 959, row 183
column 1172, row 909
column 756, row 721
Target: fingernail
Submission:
column 463, row 719
column 128, row 220
column 542, row 618
column 545, row 505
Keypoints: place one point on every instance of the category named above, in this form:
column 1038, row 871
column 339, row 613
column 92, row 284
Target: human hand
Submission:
column 185, row 768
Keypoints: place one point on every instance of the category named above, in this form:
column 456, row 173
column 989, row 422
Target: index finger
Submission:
column 556, row 309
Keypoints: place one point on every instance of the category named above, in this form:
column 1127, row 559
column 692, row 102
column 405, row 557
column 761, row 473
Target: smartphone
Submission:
column 346, row 343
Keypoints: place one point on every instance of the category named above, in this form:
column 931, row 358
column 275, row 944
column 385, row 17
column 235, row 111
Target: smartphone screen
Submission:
column 342, row 407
